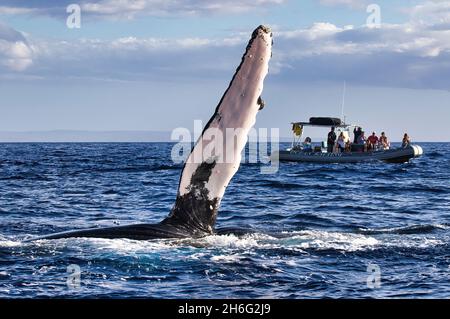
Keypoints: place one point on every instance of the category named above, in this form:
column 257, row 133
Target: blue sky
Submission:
column 157, row 65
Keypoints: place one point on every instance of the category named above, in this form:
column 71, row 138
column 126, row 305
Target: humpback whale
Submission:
column 203, row 182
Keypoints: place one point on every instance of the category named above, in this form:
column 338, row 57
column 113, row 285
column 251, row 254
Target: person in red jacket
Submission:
column 373, row 141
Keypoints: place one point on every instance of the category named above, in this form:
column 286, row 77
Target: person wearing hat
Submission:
column 372, row 141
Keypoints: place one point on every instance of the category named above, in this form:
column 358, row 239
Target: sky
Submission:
column 155, row 65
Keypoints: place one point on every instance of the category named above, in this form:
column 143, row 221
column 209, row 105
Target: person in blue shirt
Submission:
column 307, row 145
column 362, row 141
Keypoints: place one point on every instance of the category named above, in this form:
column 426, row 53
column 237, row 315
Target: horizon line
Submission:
column 113, row 136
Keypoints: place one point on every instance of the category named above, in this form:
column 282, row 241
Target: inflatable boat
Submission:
column 354, row 153
column 398, row 155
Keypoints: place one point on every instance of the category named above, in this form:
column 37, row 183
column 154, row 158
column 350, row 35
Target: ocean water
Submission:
column 337, row 231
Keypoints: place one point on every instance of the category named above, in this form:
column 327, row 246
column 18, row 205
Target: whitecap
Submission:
column 6, row 242
column 226, row 258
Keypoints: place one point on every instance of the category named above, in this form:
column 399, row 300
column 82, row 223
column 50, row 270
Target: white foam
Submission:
column 420, row 242
column 331, row 240
column 232, row 241
column 226, row 258
column 298, row 241
column 6, row 242
column 118, row 246
column 295, row 241
column 126, row 246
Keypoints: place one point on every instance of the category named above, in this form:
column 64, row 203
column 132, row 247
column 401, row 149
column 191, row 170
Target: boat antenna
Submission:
column 343, row 101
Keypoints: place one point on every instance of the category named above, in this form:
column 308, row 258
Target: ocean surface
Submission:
column 337, row 231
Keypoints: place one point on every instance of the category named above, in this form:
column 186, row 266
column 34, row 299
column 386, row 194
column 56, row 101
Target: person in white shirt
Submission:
column 341, row 142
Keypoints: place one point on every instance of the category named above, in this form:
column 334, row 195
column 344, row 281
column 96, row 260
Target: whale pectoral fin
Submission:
column 208, row 170
column 217, row 154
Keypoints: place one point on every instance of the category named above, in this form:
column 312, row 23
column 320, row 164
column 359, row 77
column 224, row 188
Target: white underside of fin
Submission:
column 237, row 110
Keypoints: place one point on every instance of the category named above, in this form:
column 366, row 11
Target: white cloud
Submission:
column 395, row 55
column 414, row 54
column 15, row 10
column 129, row 9
column 432, row 13
column 406, row 38
column 132, row 58
column 15, row 52
column 355, row 4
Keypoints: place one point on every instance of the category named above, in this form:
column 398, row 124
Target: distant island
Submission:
column 84, row 136
column 79, row 136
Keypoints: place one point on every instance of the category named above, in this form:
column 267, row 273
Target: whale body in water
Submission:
column 203, row 182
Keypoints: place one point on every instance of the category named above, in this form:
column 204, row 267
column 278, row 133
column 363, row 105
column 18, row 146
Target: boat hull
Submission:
column 399, row 155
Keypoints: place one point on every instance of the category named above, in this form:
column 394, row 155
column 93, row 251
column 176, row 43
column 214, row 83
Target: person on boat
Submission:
column 406, row 140
column 362, row 141
column 331, row 140
column 341, row 143
column 307, row 145
column 384, row 142
column 348, row 146
column 372, row 141
column 357, row 132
